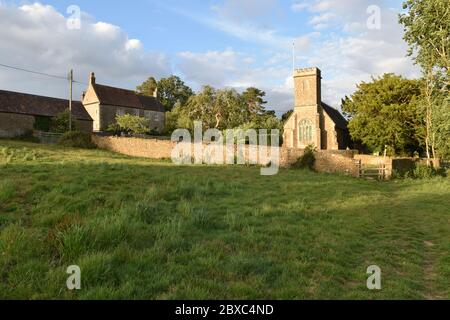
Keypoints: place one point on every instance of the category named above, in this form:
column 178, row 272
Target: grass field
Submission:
column 142, row 229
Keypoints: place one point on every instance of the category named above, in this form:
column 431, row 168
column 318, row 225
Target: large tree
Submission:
column 171, row 90
column 223, row 109
column 254, row 98
column 148, row 87
column 427, row 31
column 385, row 112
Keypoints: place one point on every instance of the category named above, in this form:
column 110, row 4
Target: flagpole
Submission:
column 293, row 57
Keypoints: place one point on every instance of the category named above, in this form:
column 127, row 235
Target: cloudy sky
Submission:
column 224, row 43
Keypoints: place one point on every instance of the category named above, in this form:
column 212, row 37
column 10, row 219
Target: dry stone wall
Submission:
column 326, row 160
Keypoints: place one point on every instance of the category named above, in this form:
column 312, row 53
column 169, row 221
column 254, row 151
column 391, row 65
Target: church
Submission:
column 314, row 122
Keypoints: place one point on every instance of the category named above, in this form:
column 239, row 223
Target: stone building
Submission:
column 314, row 122
column 104, row 104
column 21, row 112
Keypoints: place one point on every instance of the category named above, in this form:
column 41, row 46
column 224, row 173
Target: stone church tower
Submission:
column 314, row 122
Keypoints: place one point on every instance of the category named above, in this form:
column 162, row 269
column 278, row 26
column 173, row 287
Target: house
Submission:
column 21, row 112
column 313, row 122
column 105, row 103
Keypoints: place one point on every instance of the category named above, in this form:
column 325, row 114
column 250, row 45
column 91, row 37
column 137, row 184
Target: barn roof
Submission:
column 29, row 104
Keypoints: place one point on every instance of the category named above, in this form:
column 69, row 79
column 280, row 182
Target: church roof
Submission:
column 336, row 116
column 126, row 98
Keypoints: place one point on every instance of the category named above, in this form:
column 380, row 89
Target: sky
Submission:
column 223, row 43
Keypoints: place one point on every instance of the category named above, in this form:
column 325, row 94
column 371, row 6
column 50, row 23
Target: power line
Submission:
column 40, row 73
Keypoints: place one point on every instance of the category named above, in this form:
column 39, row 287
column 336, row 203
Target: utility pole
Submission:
column 70, row 100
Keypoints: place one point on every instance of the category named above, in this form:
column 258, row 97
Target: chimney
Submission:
column 83, row 95
column 92, row 78
column 155, row 93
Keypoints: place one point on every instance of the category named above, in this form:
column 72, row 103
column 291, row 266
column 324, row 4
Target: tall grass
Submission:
column 148, row 230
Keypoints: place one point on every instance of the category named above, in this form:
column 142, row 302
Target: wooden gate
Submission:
column 372, row 171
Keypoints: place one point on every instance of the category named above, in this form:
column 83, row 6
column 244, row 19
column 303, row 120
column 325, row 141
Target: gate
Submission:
column 372, row 171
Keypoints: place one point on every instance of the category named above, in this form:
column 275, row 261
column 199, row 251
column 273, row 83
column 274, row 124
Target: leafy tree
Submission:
column 427, row 31
column 133, row 124
column 254, row 98
column 385, row 112
column 285, row 117
column 148, row 87
column 171, row 90
column 60, row 123
column 220, row 109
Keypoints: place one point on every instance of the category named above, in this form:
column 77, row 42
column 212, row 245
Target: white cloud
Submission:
column 36, row 37
column 352, row 53
column 299, row 6
column 232, row 69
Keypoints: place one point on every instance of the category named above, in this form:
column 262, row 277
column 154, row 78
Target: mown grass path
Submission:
column 143, row 229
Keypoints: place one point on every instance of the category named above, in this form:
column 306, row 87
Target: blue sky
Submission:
column 225, row 43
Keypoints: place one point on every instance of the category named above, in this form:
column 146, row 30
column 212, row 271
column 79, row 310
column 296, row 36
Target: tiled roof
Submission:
column 126, row 98
column 336, row 116
column 23, row 103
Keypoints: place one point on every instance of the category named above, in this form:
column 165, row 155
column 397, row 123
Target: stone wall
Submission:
column 146, row 148
column 12, row 124
column 331, row 161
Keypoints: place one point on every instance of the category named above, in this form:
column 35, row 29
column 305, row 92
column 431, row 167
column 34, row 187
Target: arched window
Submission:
column 305, row 129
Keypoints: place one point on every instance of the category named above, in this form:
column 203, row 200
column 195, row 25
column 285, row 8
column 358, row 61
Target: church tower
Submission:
column 313, row 122
column 308, row 108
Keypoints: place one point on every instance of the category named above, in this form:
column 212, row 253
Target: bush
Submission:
column 307, row 161
column 60, row 123
column 133, row 124
column 76, row 139
column 423, row 171
column 114, row 129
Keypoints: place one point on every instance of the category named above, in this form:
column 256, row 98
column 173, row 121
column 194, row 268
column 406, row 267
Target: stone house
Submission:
column 105, row 103
column 21, row 112
column 313, row 122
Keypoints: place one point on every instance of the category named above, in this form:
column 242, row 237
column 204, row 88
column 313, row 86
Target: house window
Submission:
column 305, row 129
column 156, row 117
column 148, row 114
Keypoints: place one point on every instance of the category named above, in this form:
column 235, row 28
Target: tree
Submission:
column 148, row 87
column 60, row 123
column 285, row 117
column 427, row 31
column 133, row 124
column 385, row 112
column 254, row 98
column 171, row 90
column 220, row 109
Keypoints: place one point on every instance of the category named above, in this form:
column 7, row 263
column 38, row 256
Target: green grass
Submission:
column 143, row 229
